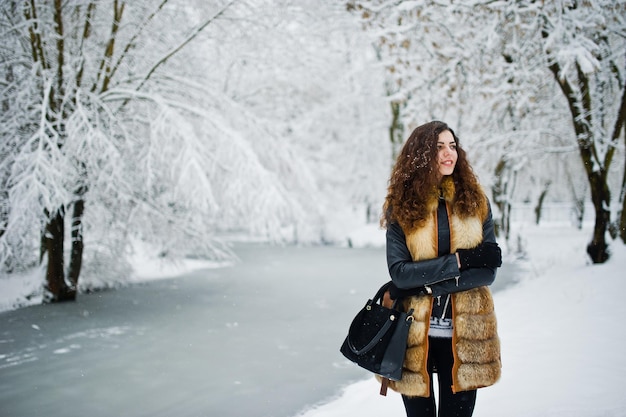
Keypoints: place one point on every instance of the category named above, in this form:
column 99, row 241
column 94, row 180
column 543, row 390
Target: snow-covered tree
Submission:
column 443, row 62
column 170, row 122
column 583, row 46
column 489, row 69
column 73, row 137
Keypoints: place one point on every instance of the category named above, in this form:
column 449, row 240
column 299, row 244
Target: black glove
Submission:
column 395, row 292
column 485, row 254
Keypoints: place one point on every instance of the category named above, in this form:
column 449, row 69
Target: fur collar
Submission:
column 447, row 190
column 466, row 231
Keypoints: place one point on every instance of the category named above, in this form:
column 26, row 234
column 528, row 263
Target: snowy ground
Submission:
column 561, row 334
column 559, row 327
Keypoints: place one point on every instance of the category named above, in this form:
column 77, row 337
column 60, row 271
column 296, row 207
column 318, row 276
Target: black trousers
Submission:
column 460, row 404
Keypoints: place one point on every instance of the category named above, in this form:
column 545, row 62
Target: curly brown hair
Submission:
column 415, row 180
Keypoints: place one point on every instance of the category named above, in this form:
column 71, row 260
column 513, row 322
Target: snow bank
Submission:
column 25, row 289
column 561, row 335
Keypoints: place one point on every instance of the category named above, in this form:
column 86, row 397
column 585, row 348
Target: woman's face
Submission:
column 447, row 154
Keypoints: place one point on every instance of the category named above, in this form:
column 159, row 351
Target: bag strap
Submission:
column 384, row 384
column 375, row 339
column 381, row 292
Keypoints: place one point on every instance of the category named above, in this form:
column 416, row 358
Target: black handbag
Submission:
column 377, row 337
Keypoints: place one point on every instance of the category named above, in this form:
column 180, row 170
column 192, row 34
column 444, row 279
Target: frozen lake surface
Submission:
column 258, row 339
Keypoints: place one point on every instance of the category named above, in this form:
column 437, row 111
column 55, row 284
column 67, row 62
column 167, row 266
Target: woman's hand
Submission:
column 486, row 254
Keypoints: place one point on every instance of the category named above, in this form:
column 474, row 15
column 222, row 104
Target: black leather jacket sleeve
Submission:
column 441, row 275
column 407, row 274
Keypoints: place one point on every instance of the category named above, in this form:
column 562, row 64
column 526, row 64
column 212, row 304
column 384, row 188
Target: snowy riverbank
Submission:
column 561, row 336
column 558, row 325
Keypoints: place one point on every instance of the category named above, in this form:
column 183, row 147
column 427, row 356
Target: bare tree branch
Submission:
column 30, row 13
column 132, row 40
column 104, row 72
column 189, row 38
column 86, row 34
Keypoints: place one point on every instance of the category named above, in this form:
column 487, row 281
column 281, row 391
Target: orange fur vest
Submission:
column 475, row 341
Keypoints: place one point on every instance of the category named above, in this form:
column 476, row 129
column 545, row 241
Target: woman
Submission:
column 442, row 255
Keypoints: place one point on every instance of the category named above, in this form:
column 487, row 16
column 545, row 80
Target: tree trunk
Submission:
column 600, row 197
column 540, row 201
column 579, row 100
column 622, row 223
column 622, row 200
column 506, row 221
column 581, row 110
column 76, row 254
column 501, row 192
column 579, row 207
column 396, row 130
column 52, row 241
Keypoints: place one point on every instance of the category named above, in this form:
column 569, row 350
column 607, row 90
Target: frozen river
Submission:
column 258, row 339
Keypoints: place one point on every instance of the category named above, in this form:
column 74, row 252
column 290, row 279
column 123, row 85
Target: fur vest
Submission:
column 475, row 342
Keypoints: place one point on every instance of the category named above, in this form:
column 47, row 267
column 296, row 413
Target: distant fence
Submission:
column 550, row 213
